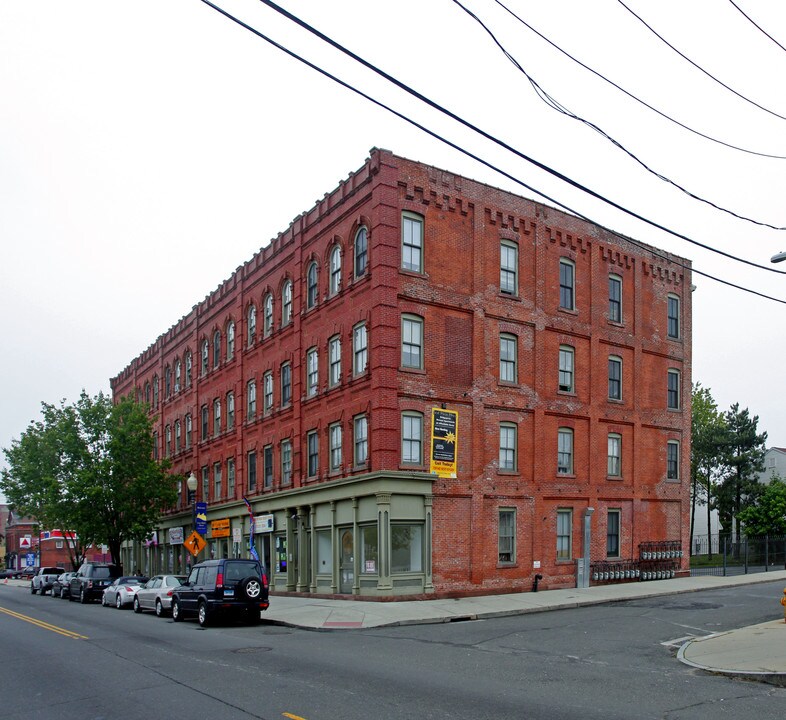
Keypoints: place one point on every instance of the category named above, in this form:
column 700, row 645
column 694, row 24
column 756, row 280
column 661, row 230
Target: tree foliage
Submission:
column 89, row 468
column 766, row 515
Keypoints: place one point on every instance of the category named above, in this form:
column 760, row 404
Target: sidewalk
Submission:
column 755, row 652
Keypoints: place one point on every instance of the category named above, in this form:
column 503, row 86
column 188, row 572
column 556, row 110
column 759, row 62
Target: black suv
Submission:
column 222, row 587
column 91, row 579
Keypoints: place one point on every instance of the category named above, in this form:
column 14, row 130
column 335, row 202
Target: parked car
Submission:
column 28, row 573
column 91, row 579
column 61, row 587
column 222, row 587
column 122, row 591
column 9, row 574
column 156, row 594
column 43, row 579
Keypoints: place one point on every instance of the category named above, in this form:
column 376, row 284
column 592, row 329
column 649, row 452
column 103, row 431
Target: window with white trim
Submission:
column 615, row 299
column 507, row 358
column 567, row 284
column 412, row 242
column 361, row 252
column 334, row 359
column 673, row 460
column 565, row 451
column 335, row 270
column 359, row 349
column 335, row 446
column 412, row 342
column 506, row 535
column 613, row 534
column 360, row 438
column 412, row 438
column 566, row 365
column 507, row 447
column 614, row 459
column 564, row 534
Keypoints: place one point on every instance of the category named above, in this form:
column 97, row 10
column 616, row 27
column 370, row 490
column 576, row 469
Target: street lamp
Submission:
column 191, row 484
column 778, row 257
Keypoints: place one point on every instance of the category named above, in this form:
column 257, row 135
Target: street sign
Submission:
column 25, row 542
column 220, row 528
column 195, row 543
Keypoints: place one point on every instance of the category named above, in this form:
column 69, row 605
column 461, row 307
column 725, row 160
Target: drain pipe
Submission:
column 539, row 577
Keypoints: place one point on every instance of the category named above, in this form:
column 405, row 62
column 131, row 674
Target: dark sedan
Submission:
column 61, row 587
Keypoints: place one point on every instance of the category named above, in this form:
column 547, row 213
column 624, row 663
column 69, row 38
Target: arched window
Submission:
column 361, row 252
column 155, row 391
column 167, row 382
column 311, row 286
column 216, row 348
column 230, row 340
column 251, row 325
column 335, row 270
column 189, row 368
column 204, row 356
column 286, row 304
column 178, row 374
column 268, row 315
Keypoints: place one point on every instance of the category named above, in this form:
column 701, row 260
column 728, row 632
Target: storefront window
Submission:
column 406, row 552
column 369, row 548
column 324, row 552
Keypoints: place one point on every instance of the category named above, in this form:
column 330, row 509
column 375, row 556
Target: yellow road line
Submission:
column 44, row 625
column 292, row 717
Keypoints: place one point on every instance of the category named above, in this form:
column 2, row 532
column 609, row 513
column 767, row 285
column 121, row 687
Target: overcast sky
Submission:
column 148, row 148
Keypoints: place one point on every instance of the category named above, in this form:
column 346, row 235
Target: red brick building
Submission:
column 307, row 382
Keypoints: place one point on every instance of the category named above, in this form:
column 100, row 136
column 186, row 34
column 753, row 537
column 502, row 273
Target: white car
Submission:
column 156, row 594
column 122, row 591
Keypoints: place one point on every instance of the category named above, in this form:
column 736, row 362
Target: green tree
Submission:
column 89, row 467
column 708, row 429
column 766, row 515
column 743, row 456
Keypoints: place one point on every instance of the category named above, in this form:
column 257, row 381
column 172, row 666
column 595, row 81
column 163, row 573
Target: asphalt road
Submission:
column 611, row 661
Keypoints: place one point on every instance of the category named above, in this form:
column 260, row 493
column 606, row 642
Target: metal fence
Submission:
column 723, row 555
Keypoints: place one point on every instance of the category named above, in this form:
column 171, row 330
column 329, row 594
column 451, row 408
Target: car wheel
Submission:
column 202, row 614
column 251, row 588
column 103, row 601
column 159, row 609
column 32, row 589
column 118, row 602
column 177, row 613
column 137, row 606
column 82, row 596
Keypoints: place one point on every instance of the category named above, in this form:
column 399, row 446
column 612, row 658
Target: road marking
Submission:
column 292, row 717
column 44, row 625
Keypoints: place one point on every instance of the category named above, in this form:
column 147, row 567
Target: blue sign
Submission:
column 30, row 559
column 200, row 518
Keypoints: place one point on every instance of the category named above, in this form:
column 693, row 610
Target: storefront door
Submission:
column 347, row 567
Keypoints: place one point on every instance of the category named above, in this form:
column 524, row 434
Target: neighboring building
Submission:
column 3, row 520
column 774, row 465
column 306, row 382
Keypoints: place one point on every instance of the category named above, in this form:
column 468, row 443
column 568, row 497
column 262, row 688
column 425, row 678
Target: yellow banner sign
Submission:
column 444, row 442
column 219, row 528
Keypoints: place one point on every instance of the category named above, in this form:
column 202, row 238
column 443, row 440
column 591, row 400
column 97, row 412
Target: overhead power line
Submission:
column 699, row 67
column 635, row 98
column 758, row 27
column 560, row 108
column 486, row 163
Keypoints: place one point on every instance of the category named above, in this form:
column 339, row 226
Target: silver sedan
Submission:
column 156, row 594
column 122, row 591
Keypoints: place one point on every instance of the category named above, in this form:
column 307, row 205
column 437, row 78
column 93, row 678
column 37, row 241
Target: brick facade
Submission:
column 384, row 525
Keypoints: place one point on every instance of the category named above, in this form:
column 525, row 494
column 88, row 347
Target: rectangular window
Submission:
column 507, row 447
column 189, row 430
column 673, row 460
column 267, row 390
column 216, row 481
column 324, row 552
column 334, row 352
column 335, row 447
column 412, row 342
column 230, row 411
column 312, row 372
column 509, row 268
column 360, row 349
column 313, row 453
column 614, row 463
column 673, row 317
column 406, row 548
column 615, row 299
column 286, row 462
column 507, row 536
column 267, row 466
column 216, row 417
column 231, row 478
column 412, row 439
column 178, row 437
column 286, row 384
column 251, row 400
column 564, row 534
column 566, row 356
column 613, row 534
column 673, row 393
column 361, row 440
column 204, row 433
column 251, row 471
column 369, row 550
column 507, row 358
column 615, row 378
column 167, row 441
column 565, row 451
column 412, row 242
column 566, row 285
